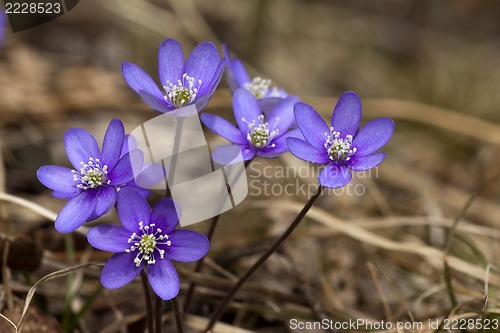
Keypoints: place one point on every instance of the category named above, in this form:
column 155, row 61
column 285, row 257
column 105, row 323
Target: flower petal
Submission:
column 143, row 84
column 223, row 128
column 334, row 176
column 306, row 152
column 282, row 115
column 164, row 215
column 106, row 198
column 76, row 211
column 312, row 126
column 226, row 154
column 120, row 270
column 280, row 145
column 240, row 73
column 170, row 61
column 362, row 163
column 187, row 246
column 132, row 209
column 111, row 238
column 59, row 179
column 80, row 146
column 202, row 63
column 245, row 107
column 267, row 104
column 164, row 279
column 122, row 173
column 373, row 136
column 347, row 114
column 154, row 102
column 112, row 144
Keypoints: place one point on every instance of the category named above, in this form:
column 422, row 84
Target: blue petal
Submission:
column 202, row 63
column 312, row 126
column 59, row 179
column 164, row 279
column 143, row 84
column 223, row 128
column 373, row 136
column 187, row 246
column 306, row 152
column 240, row 73
column 120, row 270
column 63, row 195
column 170, row 61
column 347, row 114
column 156, row 103
column 245, row 107
column 122, row 173
column 110, row 238
column 132, row 209
column 112, row 144
column 225, row 155
column 362, row 163
column 106, row 198
column 334, row 176
column 267, row 104
column 142, row 191
column 76, row 211
column 282, row 117
column 80, row 146
column 216, row 78
column 164, row 215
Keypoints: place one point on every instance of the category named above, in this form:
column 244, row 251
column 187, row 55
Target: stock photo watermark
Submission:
column 288, row 180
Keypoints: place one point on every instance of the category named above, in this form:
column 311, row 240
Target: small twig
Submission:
column 222, row 306
column 6, row 275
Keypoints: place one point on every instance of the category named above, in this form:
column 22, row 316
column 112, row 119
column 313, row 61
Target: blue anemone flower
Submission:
column 91, row 187
column 237, row 77
column 183, row 83
column 147, row 239
column 341, row 146
column 256, row 134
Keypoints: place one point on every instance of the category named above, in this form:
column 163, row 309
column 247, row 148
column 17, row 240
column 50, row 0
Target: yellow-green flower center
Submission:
column 338, row 148
column 146, row 242
column 91, row 175
column 259, row 134
column 183, row 93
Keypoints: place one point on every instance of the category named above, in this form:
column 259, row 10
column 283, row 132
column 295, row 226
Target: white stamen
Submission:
column 259, row 134
column 147, row 243
column 338, row 148
column 91, row 175
column 182, row 93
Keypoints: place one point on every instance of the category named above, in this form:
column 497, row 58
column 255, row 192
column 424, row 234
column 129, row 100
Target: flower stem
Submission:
column 147, row 296
column 178, row 315
column 158, row 312
column 200, row 263
column 222, row 306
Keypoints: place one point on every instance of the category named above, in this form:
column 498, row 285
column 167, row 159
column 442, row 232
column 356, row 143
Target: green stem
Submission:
column 222, row 306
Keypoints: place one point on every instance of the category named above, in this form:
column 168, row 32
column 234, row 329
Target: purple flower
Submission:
column 237, row 77
column 147, row 239
column 341, row 146
column 256, row 134
column 91, row 188
column 183, row 83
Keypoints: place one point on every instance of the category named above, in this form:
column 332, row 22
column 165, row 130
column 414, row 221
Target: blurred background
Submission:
column 377, row 255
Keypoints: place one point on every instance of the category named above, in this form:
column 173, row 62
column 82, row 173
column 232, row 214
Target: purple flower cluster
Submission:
column 266, row 121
